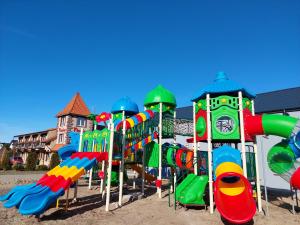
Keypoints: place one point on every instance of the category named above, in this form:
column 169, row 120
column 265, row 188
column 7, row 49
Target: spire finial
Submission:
column 221, row 76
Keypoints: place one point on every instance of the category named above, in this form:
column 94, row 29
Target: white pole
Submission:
column 121, row 171
column 91, row 170
column 195, row 136
column 209, row 153
column 134, row 172
column 175, row 180
column 242, row 131
column 103, row 168
column 143, row 173
column 80, row 140
column 160, row 149
column 110, row 154
column 256, row 168
column 174, row 141
column 173, row 185
column 79, row 150
column 264, row 162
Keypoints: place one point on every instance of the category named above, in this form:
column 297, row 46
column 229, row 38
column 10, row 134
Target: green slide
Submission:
column 191, row 190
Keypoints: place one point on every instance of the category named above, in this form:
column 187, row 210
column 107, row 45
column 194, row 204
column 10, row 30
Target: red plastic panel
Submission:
column 295, row 179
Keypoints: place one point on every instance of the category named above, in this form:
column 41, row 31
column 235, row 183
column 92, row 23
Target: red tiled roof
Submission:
column 76, row 107
column 56, row 147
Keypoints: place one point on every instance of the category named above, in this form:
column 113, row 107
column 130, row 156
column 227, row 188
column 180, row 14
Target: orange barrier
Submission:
column 189, row 155
column 189, row 159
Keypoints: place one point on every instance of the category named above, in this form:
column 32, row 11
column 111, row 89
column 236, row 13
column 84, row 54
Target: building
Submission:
column 285, row 101
column 40, row 142
column 72, row 118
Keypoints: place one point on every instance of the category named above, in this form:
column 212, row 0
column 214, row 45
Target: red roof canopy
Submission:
column 76, row 107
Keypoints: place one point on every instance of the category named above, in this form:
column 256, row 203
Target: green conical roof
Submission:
column 160, row 94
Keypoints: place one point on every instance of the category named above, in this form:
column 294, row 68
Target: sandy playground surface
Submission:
column 90, row 209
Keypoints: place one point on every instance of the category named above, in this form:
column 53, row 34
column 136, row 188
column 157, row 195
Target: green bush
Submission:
column 5, row 164
column 31, row 161
column 42, row 167
column 54, row 161
column 18, row 167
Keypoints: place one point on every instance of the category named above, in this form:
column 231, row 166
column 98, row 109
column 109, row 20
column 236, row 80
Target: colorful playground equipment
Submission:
column 37, row 197
column 221, row 175
column 232, row 190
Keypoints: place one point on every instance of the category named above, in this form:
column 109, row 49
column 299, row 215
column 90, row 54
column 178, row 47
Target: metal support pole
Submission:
column 143, row 173
column 134, row 172
column 209, row 152
column 195, row 138
column 91, row 170
column 103, row 168
column 121, row 174
column 79, row 150
column 110, row 154
column 258, row 190
column 265, row 176
column 104, row 179
column 160, row 149
column 242, row 131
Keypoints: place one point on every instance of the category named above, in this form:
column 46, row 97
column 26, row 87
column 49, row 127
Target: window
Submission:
column 62, row 121
column 60, row 138
column 43, row 138
column 81, row 122
column 225, row 124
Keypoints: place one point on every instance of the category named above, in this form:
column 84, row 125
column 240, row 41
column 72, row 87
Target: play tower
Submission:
column 224, row 118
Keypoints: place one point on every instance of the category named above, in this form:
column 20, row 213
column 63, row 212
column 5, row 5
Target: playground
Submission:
column 130, row 169
column 91, row 211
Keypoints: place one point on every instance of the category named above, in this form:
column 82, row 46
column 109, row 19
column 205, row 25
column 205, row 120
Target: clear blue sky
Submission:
column 109, row 49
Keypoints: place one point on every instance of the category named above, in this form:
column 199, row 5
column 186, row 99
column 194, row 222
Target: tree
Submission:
column 54, row 161
column 5, row 164
column 31, row 161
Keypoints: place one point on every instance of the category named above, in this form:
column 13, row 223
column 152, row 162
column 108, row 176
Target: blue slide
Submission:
column 16, row 189
column 17, row 197
column 38, row 203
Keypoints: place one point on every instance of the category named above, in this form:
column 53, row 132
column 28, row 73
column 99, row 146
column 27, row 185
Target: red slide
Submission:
column 236, row 209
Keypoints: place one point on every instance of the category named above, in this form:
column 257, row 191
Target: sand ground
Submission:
column 90, row 209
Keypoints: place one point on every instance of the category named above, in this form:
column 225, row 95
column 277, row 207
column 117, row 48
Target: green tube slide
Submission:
column 192, row 190
column 281, row 158
column 279, row 125
column 170, row 155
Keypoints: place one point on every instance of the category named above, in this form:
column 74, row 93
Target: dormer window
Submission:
column 81, row 122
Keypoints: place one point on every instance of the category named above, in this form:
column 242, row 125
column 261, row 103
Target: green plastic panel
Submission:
column 201, row 104
column 151, row 156
column 98, row 137
column 224, row 100
column 250, row 161
column 201, row 126
column 247, row 104
column 225, row 124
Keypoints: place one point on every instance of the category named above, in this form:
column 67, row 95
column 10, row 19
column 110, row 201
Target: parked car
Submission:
column 16, row 160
